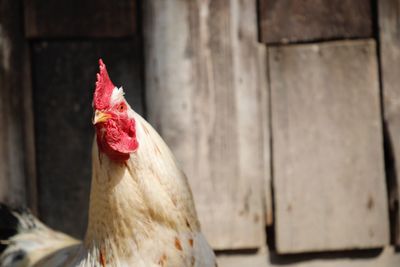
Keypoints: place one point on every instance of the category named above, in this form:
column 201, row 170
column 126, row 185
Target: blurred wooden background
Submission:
column 285, row 115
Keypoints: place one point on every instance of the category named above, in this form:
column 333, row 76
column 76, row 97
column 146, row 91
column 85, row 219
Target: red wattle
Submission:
column 117, row 138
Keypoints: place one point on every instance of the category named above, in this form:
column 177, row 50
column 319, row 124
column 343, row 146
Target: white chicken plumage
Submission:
column 141, row 213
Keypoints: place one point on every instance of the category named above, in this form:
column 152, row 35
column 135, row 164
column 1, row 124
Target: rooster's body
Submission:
column 141, row 210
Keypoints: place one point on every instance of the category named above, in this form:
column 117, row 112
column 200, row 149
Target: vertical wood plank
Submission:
column 389, row 34
column 329, row 176
column 65, row 75
column 29, row 137
column 13, row 90
column 203, row 95
column 265, row 124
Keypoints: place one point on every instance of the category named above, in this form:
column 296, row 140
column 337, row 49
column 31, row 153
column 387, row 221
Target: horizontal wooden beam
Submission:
column 293, row 21
column 75, row 18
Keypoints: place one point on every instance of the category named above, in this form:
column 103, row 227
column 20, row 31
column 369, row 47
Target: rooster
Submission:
column 141, row 210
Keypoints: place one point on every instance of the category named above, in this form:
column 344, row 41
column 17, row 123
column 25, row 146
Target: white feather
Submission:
column 117, row 96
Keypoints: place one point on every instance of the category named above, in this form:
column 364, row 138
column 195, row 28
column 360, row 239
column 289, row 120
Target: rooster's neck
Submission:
column 131, row 201
column 117, row 214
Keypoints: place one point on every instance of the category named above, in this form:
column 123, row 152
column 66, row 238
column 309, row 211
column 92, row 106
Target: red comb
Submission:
column 104, row 88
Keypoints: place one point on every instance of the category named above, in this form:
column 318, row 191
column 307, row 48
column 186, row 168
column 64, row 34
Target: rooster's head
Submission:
column 113, row 119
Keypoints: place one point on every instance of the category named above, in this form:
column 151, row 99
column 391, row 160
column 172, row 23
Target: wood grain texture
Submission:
column 329, row 179
column 75, row 18
column 283, row 21
column 13, row 90
column 203, row 97
column 389, row 34
column 64, row 79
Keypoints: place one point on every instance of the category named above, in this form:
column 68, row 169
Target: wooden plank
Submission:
column 389, row 34
column 203, row 97
column 265, row 124
column 29, row 136
column 13, row 74
column 283, row 21
column 75, row 18
column 329, row 180
column 64, row 78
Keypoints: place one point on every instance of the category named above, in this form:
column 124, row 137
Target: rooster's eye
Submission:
column 121, row 107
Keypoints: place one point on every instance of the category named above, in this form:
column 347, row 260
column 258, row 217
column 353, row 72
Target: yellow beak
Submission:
column 100, row 117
